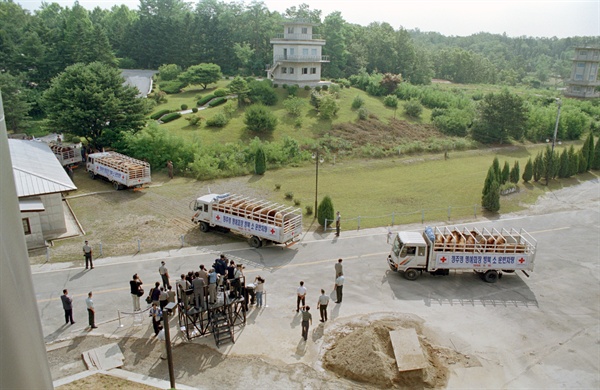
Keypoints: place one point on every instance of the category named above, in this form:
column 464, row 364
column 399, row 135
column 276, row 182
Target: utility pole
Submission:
column 550, row 168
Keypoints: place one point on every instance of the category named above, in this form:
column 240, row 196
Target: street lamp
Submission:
column 318, row 160
column 558, row 102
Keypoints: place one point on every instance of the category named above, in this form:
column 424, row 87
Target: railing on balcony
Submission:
column 298, row 37
column 301, row 58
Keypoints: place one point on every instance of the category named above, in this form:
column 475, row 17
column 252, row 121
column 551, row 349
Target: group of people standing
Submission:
column 67, row 302
column 322, row 302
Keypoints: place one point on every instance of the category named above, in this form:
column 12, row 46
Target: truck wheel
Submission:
column 490, row 276
column 255, row 242
column 204, row 227
column 92, row 175
column 116, row 185
column 411, row 274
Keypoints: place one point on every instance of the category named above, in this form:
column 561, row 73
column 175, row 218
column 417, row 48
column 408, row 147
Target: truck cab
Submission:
column 409, row 253
column 203, row 210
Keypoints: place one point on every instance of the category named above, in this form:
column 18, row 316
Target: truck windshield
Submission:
column 397, row 246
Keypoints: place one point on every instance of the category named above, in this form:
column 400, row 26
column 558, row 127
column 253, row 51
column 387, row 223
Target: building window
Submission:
column 304, row 52
column 26, row 226
column 304, row 30
column 582, row 53
column 291, row 70
column 581, row 64
column 304, row 70
column 313, row 70
column 291, row 51
column 313, row 52
column 578, row 77
column 290, row 30
column 284, row 70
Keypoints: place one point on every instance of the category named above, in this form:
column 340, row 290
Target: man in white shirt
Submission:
column 322, row 305
column 339, row 285
column 301, row 293
column 91, row 311
column 164, row 274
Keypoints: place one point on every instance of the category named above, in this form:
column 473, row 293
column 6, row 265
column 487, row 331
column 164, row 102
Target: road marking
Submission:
column 551, row 230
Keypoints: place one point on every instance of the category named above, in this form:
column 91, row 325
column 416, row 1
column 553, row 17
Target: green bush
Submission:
column 169, row 72
column 194, row 120
column 170, row 117
column 390, row 101
column 307, row 88
column 194, row 109
column 205, row 99
column 363, row 113
column 277, row 186
column 318, row 88
column 275, row 85
column 413, row 108
column 357, row 102
column 75, row 139
column 309, row 209
column 325, row 87
column 184, row 107
column 219, row 120
column 260, row 162
column 262, row 92
column 217, row 101
column 325, row 211
column 284, row 86
column 259, row 119
column 289, row 195
column 171, row 87
column 160, row 113
column 293, row 90
column 297, row 202
column 127, row 63
column 220, row 92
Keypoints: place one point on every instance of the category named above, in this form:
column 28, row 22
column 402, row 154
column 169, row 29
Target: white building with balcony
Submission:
column 584, row 74
column 297, row 55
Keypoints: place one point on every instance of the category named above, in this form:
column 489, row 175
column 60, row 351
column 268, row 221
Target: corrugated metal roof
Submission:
column 36, row 169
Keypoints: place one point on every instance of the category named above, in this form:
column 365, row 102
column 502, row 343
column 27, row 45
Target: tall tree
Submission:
column 573, row 161
column 16, row 107
column 528, row 172
column 202, row 74
column 334, row 30
column 505, row 176
column 500, row 117
column 90, row 100
column 596, row 160
column 563, row 170
column 515, row 172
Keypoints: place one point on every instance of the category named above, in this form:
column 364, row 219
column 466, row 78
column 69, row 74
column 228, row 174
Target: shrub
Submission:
column 309, row 209
column 325, row 87
column 170, row 117
column 217, row 101
column 75, row 139
column 159, row 97
column 169, row 72
column 259, row 119
column 318, row 88
column 413, row 108
column 205, row 99
column 229, row 109
column 363, row 113
column 171, row 87
column 325, row 211
column 194, row 119
column 358, row 102
column 277, row 186
column 127, row 63
column 528, row 173
column 294, row 106
column 157, row 115
column 289, row 195
column 335, row 88
column 220, row 92
column 296, row 202
column 391, row 101
column 184, row 107
column 262, row 92
column 293, row 90
column 284, row 86
column 194, row 109
column 307, row 87
column 260, row 162
column 219, row 120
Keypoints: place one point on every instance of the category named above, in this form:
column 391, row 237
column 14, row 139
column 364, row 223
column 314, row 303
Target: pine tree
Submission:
column 591, row 154
column 582, row 165
column 548, row 172
column 325, row 211
column 489, row 179
column 538, row 167
column 497, row 171
column 596, row 161
column 563, row 170
column 528, row 174
column 491, row 200
column 505, row 173
column 573, row 161
column 515, row 172
column 260, row 162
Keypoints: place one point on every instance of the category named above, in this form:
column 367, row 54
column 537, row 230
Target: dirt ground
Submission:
column 355, row 353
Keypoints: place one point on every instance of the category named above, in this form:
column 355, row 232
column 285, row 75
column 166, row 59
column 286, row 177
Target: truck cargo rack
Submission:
column 135, row 169
column 482, row 241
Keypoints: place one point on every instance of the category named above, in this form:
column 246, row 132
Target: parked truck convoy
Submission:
column 261, row 221
column 439, row 250
column 121, row 170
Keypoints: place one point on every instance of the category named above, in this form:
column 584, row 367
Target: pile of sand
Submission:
column 361, row 350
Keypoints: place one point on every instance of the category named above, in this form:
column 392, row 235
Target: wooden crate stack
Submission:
column 135, row 169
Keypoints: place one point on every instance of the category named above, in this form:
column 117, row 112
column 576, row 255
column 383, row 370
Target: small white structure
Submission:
column 297, row 55
column 584, row 74
column 40, row 181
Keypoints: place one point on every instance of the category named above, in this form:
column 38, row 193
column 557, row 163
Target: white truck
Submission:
column 121, row 170
column 66, row 154
column 261, row 221
column 439, row 250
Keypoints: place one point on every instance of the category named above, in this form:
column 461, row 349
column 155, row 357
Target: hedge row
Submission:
column 206, row 99
column 170, row 117
column 217, row 101
column 157, row 115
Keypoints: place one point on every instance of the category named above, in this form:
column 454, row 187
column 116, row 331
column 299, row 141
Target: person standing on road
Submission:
column 164, row 274
column 339, row 285
column 306, row 321
column 155, row 293
column 170, row 168
column 322, row 305
column 135, row 285
column 91, row 311
column 301, row 296
column 259, row 290
column 67, row 303
column 87, row 253
column 339, row 270
column 163, row 298
column 156, row 315
column 338, row 218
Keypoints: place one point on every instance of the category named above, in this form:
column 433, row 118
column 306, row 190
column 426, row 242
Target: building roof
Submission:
column 36, row 169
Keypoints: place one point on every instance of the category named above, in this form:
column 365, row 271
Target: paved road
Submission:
column 542, row 331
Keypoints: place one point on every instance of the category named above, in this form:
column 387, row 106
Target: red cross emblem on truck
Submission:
column 218, row 217
column 443, row 259
column 521, row 260
column 272, row 231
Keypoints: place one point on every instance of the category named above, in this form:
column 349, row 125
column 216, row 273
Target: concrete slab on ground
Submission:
column 104, row 358
column 407, row 350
